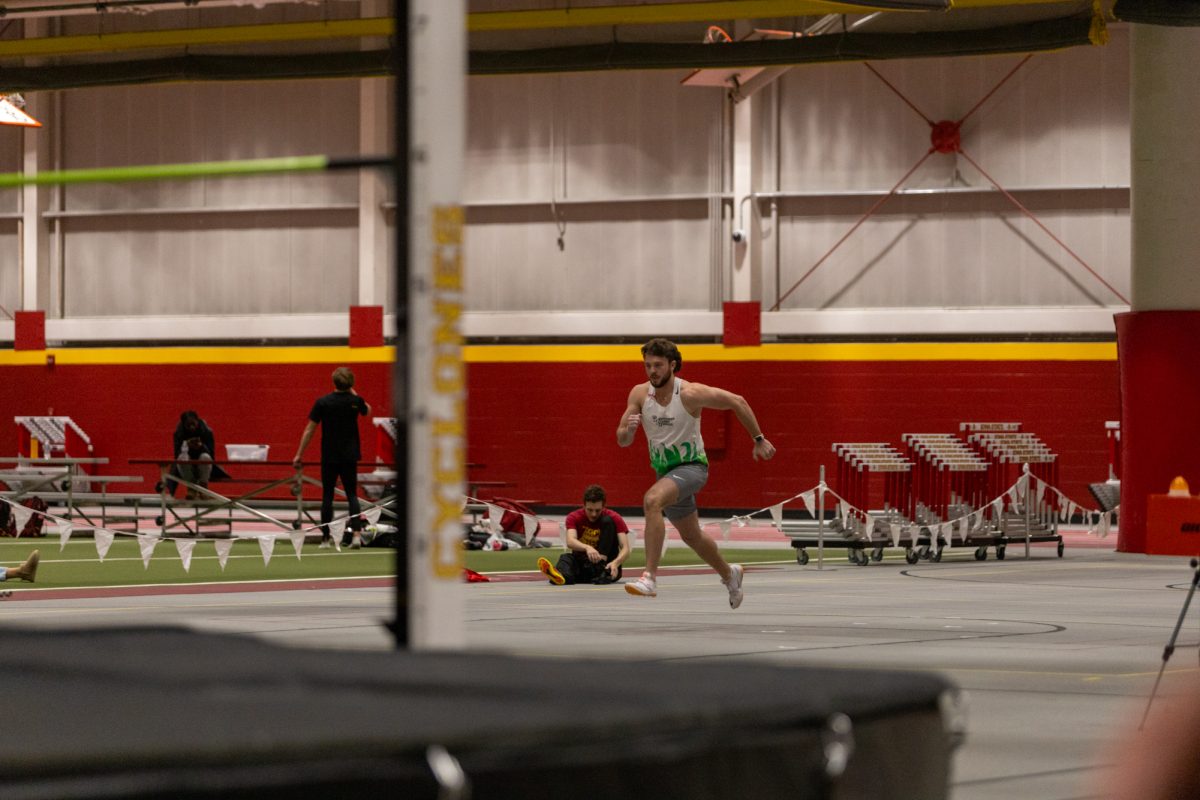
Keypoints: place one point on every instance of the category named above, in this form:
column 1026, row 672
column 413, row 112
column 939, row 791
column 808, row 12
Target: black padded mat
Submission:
column 172, row 713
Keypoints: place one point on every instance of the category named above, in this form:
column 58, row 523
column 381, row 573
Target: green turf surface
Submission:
column 78, row 565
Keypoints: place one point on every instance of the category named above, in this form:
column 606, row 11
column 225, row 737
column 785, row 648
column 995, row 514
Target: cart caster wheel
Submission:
column 1061, row 548
column 801, row 556
column 937, row 556
column 923, row 552
column 910, row 555
column 852, row 555
column 877, row 554
column 863, row 558
column 1000, row 552
column 981, row 554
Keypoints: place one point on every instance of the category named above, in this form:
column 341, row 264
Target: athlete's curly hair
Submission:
column 594, row 494
column 663, row 348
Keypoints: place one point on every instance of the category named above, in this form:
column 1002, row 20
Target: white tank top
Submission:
column 672, row 433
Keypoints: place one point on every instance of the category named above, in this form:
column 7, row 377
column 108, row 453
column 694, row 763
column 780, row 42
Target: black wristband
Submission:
column 760, row 438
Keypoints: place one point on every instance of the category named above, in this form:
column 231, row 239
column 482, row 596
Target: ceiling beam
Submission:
column 234, row 34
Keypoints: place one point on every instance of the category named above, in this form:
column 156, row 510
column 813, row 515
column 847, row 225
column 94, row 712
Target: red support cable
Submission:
column 1038, row 222
column 862, row 219
column 995, row 88
column 899, row 94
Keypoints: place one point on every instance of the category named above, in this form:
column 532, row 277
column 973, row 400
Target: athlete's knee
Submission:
column 653, row 501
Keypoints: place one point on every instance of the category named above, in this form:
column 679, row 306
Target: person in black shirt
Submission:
column 193, row 440
column 337, row 413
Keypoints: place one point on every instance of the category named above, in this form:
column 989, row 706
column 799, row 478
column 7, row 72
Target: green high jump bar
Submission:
column 212, row 169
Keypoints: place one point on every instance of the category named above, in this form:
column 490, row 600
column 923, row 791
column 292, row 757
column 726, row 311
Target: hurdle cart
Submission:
column 864, row 531
column 1013, row 453
column 949, row 483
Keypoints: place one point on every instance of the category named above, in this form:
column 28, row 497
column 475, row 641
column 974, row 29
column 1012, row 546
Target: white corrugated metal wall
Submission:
column 630, row 171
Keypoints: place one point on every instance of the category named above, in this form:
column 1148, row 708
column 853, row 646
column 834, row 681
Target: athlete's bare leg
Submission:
column 662, row 494
column 704, row 545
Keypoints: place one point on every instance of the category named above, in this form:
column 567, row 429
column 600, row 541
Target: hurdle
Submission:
column 1020, row 458
column 950, row 483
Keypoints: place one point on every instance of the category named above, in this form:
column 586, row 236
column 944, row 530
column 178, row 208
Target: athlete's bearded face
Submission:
column 659, row 370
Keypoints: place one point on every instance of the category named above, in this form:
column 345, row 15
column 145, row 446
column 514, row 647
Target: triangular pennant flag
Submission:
column 104, row 540
column 185, row 548
column 869, row 526
column 266, row 543
column 531, row 525
column 1105, row 524
column 1071, row 509
column 998, row 507
column 64, row 533
column 894, row 529
column 147, row 544
column 337, row 527
column 809, row 500
column 297, row 538
column 740, row 521
column 1012, row 497
column 725, row 530
column 372, row 514
column 222, row 546
column 494, row 515
column 777, row 514
column 20, row 515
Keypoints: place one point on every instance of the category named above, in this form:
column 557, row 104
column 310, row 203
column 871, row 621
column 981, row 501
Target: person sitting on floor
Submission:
column 26, row 572
column 597, row 544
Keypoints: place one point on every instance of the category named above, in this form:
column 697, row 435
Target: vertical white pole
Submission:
column 437, row 376
column 32, row 196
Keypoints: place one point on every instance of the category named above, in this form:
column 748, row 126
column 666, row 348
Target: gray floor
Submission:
column 1056, row 657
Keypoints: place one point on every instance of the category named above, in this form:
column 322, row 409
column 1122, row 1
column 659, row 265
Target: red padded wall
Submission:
column 130, row 410
column 551, row 428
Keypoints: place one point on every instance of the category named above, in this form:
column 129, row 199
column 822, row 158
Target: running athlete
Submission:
column 669, row 409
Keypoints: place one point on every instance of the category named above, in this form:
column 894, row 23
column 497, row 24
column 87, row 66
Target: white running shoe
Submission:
column 734, row 585
column 642, row 587
column 325, row 544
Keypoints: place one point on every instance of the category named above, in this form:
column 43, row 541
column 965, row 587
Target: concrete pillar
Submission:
column 747, row 260
column 1157, row 339
column 374, row 266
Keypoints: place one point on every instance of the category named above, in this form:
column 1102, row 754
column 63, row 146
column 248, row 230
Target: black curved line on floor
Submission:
column 908, row 574
column 1043, row 774
column 1051, row 626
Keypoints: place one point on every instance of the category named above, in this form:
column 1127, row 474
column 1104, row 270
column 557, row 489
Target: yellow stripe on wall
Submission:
column 834, row 351
column 116, row 356
column 587, row 353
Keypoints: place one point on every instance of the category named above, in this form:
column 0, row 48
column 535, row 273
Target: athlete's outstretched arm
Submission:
column 696, row 396
column 630, row 420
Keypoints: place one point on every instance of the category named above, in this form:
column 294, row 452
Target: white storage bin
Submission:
column 247, row 452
